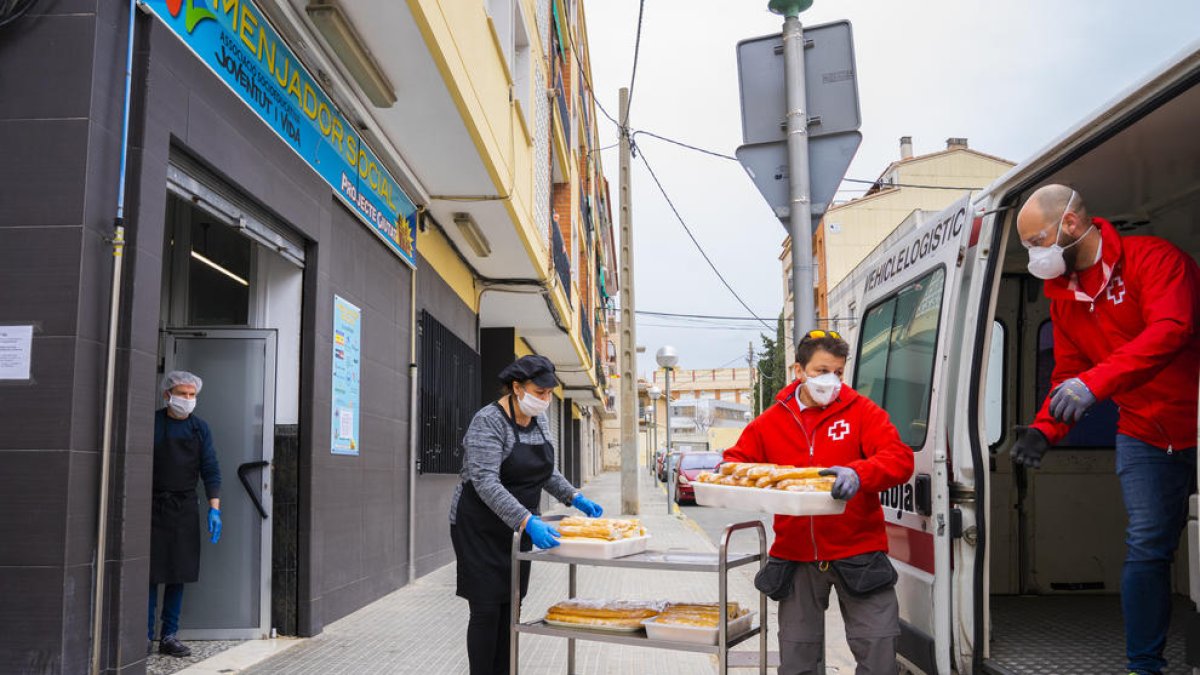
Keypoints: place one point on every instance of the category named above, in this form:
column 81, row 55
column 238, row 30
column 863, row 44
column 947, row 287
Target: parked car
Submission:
column 688, row 468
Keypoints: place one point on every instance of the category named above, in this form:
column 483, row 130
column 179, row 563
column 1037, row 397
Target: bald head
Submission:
column 1039, row 217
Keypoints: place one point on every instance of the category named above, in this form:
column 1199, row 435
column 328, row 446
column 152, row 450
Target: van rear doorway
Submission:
column 1056, row 542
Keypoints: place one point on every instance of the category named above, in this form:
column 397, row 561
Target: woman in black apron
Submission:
column 508, row 460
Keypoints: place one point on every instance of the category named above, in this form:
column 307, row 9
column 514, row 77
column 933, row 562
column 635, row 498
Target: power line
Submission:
column 587, row 81
column 908, row 185
column 684, row 145
column 637, row 48
column 698, row 316
column 678, row 327
column 721, row 155
column 679, row 217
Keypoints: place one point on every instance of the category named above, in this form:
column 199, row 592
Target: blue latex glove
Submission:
column 1031, row 445
column 1070, row 400
column 214, row 524
column 543, row 535
column 590, row 508
column 846, row 484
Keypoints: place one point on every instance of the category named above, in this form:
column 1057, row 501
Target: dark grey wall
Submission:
column 59, row 122
column 434, row 491
column 58, row 183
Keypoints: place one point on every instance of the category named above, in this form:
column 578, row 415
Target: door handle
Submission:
column 241, row 472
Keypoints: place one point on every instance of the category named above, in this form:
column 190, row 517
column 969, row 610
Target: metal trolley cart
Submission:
column 681, row 561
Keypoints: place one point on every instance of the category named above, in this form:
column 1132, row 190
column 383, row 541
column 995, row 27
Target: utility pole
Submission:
column 629, row 401
column 800, row 212
column 750, row 366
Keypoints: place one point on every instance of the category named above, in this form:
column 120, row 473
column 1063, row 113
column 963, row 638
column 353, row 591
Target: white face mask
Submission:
column 532, row 405
column 1047, row 262
column 182, row 407
column 823, row 388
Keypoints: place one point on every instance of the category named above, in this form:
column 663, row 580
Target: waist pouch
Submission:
column 866, row 573
column 774, row 580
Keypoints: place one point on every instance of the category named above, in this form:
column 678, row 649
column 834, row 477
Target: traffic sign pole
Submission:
column 800, row 215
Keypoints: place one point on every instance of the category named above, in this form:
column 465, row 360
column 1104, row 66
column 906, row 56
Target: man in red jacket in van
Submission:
column 1124, row 312
column 818, row 421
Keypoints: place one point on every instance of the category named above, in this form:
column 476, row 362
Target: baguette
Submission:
column 790, row 472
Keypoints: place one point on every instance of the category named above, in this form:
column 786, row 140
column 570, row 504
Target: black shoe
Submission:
column 149, row 647
column 171, row 646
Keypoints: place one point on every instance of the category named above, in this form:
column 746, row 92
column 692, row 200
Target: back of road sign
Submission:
column 831, row 83
column 828, row 158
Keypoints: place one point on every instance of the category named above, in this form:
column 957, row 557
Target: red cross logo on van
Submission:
column 839, row 430
column 1116, row 290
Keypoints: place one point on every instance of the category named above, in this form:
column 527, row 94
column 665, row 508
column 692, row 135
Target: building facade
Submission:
column 850, row 230
column 346, row 218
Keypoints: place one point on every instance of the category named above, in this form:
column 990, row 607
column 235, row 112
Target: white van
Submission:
column 1006, row 570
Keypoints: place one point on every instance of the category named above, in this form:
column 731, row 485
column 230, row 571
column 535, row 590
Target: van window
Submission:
column 993, row 408
column 896, row 351
column 1098, row 428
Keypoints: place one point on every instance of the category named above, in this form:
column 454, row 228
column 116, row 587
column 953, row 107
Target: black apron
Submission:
column 174, row 516
column 482, row 542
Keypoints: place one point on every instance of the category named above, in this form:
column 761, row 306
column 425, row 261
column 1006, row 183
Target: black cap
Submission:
column 534, row 367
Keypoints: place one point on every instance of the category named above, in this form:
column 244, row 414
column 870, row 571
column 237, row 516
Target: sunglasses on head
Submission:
column 818, row 333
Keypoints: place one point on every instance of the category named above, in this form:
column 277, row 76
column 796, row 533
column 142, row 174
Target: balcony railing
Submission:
column 562, row 262
column 560, row 94
column 585, row 332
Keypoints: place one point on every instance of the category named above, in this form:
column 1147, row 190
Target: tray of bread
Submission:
column 620, row 616
column 770, row 488
column 602, row 538
column 697, row 622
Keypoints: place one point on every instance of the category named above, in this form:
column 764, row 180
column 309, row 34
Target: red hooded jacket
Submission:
column 1126, row 326
column 851, row 431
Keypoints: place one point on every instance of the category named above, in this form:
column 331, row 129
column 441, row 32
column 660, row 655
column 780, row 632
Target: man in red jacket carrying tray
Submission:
column 818, row 421
column 1124, row 312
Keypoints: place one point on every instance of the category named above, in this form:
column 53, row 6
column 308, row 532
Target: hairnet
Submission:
column 177, row 377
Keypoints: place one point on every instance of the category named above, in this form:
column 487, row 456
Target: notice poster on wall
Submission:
column 15, row 348
column 347, row 368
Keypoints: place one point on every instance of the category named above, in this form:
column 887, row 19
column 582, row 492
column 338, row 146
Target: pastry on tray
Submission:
column 704, row 615
column 604, row 613
column 769, row 476
column 605, row 529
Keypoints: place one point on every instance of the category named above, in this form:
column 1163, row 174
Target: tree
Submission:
column 771, row 367
column 703, row 415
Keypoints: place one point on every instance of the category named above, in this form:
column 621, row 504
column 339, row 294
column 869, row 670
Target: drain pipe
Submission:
column 414, row 434
column 110, row 367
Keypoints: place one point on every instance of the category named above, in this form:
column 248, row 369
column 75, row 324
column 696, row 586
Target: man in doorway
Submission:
column 183, row 454
column 1124, row 311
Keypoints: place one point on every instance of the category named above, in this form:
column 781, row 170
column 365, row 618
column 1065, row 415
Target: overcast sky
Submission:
column 1009, row 76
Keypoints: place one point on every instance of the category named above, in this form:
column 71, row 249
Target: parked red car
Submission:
column 688, row 468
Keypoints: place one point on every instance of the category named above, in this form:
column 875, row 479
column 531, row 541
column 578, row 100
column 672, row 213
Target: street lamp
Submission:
column 667, row 357
column 654, row 393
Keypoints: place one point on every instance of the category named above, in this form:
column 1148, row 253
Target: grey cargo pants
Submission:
column 872, row 624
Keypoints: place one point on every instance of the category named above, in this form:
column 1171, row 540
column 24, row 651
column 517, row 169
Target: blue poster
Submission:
column 236, row 42
column 347, row 368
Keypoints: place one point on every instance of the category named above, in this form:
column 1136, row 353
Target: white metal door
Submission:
column 909, row 294
column 232, row 599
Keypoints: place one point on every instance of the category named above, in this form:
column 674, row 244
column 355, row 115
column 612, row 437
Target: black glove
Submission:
column 1030, row 446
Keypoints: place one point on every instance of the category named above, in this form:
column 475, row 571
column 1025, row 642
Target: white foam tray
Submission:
column 780, row 502
column 697, row 634
column 601, row 550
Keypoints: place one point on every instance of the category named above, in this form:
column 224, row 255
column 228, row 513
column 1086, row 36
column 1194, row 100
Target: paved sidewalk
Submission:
column 421, row 628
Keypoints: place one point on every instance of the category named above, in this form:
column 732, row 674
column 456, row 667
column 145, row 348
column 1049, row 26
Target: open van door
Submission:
column 905, row 335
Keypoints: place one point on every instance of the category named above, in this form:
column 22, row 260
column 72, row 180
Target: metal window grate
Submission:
column 449, row 396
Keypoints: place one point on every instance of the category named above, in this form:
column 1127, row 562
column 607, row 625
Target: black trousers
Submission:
column 487, row 638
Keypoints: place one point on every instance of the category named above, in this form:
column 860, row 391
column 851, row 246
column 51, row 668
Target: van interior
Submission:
column 1056, row 541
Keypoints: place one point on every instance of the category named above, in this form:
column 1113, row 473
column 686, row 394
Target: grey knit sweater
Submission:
column 488, row 442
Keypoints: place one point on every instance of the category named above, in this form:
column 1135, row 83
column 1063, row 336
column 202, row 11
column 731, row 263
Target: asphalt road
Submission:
column 713, row 521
